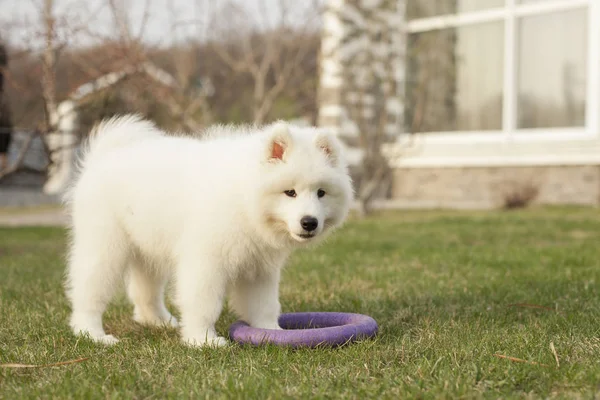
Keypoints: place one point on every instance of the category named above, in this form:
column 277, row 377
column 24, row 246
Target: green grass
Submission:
column 440, row 284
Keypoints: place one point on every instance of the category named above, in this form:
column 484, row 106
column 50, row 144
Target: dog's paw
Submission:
column 108, row 340
column 168, row 321
column 172, row 322
column 98, row 337
column 267, row 325
column 216, row 341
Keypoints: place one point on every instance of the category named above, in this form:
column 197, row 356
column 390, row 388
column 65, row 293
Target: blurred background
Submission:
column 442, row 103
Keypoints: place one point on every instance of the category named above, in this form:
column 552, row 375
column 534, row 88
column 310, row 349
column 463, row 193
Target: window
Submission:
column 499, row 65
column 552, row 70
column 455, row 79
column 428, row 8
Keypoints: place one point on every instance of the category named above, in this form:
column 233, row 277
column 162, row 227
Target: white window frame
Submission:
column 510, row 14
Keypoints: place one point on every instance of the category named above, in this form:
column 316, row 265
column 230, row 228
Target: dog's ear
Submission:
column 329, row 145
column 280, row 142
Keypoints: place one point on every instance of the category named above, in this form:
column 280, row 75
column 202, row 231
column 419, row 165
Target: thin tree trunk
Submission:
column 48, row 64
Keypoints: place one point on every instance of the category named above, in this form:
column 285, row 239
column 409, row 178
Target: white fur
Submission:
column 210, row 213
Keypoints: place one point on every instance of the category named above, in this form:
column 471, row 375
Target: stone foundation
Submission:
column 487, row 187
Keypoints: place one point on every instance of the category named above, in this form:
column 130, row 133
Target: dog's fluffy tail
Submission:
column 111, row 134
column 117, row 132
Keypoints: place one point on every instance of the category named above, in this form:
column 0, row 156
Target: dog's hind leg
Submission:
column 146, row 289
column 96, row 264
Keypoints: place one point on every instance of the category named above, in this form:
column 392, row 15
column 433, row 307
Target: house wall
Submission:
column 430, row 171
column 488, row 187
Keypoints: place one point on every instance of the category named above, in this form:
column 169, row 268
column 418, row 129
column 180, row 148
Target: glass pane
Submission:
column 431, row 8
column 455, row 78
column 552, row 70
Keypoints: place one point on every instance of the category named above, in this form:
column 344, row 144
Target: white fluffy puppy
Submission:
column 219, row 214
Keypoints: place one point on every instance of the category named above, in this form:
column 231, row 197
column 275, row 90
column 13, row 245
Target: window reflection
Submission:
column 552, row 70
column 455, row 79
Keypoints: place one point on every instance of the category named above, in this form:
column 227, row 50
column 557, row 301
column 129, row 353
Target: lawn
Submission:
column 450, row 290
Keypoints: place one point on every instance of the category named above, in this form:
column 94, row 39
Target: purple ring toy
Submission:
column 308, row 329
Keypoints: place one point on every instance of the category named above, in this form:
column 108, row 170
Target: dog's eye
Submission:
column 290, row 193
column 320, row 193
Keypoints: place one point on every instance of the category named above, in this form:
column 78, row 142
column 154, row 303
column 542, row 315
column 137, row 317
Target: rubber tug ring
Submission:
column 308, row 329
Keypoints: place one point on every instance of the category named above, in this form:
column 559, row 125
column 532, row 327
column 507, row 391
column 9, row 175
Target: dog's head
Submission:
column 305, row 187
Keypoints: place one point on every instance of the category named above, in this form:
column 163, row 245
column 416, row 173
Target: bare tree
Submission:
column 371, row 119
column 191, row 95
column 269, row 45
column 49, row 61
column 188, row 104
column 54, row 138
column 184, row 100
column 360, row 94
column 60, row 128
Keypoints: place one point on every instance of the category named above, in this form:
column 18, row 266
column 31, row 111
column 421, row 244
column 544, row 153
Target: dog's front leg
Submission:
column 256, row 300
column 200, row 296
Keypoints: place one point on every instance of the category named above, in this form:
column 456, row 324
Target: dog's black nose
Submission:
column 309, row 223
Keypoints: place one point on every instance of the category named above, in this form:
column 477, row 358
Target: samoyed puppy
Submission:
column 219, row 215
